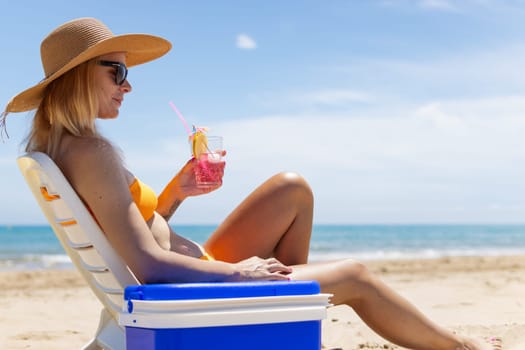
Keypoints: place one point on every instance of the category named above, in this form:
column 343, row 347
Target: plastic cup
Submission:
column 208, row 170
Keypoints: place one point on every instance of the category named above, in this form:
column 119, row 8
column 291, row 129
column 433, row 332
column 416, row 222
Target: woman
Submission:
column 265, row 238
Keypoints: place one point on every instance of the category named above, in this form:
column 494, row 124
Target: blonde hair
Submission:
column 69, row 106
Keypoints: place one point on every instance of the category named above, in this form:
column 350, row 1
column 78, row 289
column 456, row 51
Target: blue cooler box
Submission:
column 249, row 315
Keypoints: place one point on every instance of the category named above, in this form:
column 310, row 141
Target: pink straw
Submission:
column 181, row 118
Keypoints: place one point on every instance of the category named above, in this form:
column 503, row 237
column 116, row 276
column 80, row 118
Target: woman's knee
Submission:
column 351, row 282
column 294, row 183
column 355, row 271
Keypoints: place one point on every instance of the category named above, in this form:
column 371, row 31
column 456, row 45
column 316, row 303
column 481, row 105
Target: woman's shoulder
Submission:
column 86, row 144
column 88, row 154
column 86, row 148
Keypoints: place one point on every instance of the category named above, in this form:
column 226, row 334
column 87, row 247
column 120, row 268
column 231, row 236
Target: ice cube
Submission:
column 214, row 157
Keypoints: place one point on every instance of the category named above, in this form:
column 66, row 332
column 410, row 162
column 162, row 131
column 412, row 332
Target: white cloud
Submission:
column 465, row 6
column 246, row 42
column 416, row 164
column 442, row 5
column 439, row 5
column 336, row 96
column 497, row 70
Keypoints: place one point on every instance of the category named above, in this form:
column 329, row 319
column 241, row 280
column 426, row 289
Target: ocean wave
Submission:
column 35, row 262
column 62, row 261
column 411, row 254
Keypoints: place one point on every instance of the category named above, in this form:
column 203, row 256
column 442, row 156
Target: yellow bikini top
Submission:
column 144, row 197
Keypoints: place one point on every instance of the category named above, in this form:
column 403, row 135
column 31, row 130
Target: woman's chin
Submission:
column 109, row 115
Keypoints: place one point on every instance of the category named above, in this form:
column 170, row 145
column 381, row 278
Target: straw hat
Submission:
column 78, row 41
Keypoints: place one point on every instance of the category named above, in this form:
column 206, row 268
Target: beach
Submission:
column 478, row 296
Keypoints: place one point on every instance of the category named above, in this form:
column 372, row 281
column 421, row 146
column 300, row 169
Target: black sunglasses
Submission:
column 121, row 71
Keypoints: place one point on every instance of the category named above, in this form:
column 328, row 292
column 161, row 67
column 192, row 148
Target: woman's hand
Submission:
column 256, row 268
column 185, row 179
column 184, row 185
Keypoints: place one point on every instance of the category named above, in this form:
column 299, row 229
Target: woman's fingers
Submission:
column 277, row 266
column 265, row 269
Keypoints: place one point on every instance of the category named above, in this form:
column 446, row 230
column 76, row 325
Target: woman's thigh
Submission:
column 274, row 220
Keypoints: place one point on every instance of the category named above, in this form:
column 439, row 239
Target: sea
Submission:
column 35, row 247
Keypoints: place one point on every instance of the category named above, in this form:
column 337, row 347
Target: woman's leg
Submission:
column 276, row 220
column 273, row 221
column 386, row 312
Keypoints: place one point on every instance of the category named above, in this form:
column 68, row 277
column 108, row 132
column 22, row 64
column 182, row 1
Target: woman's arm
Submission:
column 95, row 171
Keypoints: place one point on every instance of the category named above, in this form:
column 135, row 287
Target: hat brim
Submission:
column 139, row 48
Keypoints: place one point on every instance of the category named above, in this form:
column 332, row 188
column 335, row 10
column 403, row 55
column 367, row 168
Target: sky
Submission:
column 395, row 112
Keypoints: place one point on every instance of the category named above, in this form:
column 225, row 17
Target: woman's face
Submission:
column 110, row 95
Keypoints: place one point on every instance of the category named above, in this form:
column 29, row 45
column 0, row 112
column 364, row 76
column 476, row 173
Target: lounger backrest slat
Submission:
column 77, row 231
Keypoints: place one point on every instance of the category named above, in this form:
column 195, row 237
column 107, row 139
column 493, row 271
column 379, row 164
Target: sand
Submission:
column 482, row 297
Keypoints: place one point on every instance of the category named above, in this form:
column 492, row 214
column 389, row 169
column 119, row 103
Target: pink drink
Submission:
column 208, row 170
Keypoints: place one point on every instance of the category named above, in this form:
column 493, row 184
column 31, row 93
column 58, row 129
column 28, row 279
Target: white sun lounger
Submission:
column 105, row 272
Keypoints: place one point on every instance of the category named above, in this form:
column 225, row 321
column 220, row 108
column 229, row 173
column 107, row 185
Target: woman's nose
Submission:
column 126, row 86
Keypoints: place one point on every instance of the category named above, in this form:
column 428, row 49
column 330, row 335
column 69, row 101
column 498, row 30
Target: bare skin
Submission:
column 275, row 221
column 265, row 238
